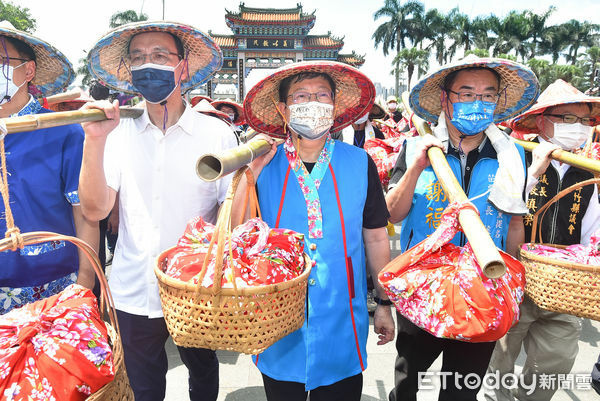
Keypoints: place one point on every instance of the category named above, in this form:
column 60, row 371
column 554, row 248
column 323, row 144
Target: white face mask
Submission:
column 311, row 120
column 571, row 136
column 7, row 85
column 392, row 106
column 361, row 120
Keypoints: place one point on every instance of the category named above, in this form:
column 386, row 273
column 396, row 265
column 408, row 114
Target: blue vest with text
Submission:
column 429, row 200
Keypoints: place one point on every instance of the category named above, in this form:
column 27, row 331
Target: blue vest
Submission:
column 325, row 349
column 429, row 200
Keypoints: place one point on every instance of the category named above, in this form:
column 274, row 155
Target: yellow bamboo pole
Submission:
column 211, row 167
column 33, row 122
column 485, row 250
column 63, row 97
column 564, row 156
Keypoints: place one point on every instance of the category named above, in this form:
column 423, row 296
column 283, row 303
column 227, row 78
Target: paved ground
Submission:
column 241, row 381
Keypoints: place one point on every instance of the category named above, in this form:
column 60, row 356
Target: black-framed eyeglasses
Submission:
column 304, row 97
column 156, row 57
column 469, row 96
column 572, row 119
column 5, row 59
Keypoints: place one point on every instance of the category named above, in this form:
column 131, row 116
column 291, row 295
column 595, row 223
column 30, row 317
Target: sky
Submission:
column 74, row 26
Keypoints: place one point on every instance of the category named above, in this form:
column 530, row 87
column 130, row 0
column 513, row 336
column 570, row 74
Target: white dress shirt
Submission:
column 159, row 192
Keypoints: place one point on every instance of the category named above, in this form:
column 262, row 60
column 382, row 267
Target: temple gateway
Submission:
column 270, row 38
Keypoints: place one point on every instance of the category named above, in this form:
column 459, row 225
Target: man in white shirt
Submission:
column 150, row 161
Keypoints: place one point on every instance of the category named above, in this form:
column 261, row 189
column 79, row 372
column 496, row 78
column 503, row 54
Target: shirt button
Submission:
column 313, row 247
column 312, row 281
column 468, row 168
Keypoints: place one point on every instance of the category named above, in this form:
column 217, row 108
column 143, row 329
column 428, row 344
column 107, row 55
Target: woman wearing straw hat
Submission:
column 465, row 99
column 43, row 168
column 150, row 162
column 330, row 192
column 564, row 119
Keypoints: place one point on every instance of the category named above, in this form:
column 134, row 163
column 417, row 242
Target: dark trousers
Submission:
column 417, row 350
column 596, row 376
column 146, row 360
column 348, row 389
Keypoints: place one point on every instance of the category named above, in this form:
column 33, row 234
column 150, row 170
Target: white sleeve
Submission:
column 531, row 182
column 112, row 151
column 591, row 218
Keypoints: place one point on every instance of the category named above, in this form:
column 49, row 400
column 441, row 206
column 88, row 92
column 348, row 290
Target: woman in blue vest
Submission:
column 465, row 99
column 330, row 192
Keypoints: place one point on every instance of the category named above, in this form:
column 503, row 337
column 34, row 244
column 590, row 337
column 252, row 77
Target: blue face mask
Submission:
column 474, row 117
column 155, row 82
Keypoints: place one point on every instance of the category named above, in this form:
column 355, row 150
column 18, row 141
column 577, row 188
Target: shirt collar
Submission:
column 185, row 122
column 32, row 107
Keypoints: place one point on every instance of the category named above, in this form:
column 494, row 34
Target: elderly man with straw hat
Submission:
column 563, row 118
column 43, row 174
column 150, row 161
column 330, row 192
column 465, row 99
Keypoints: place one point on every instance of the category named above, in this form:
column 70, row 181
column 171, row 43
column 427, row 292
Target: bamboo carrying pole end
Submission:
column 209, row 167
column 494, row 269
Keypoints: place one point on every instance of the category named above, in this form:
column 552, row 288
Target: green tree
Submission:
column 410, row 59
column 538, row 28
column 464, row 30
column 590, row 63
column 394, row 33
column 512, row 33
column 554, row 41
column 441, row 31
column 125, row 17
column 19, row 17
column 579, row 34
column 478, row 52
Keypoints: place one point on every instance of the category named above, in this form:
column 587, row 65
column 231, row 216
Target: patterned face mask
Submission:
column 311, row 120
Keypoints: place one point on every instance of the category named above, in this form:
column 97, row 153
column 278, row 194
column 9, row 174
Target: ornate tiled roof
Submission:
column 323, row 41
column 224, row 41
column 353, row 59
column 270, row 15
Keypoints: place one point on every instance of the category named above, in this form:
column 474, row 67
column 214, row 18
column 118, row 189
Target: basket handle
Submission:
column 106, row 300
column 542, row 211
column 222, row 232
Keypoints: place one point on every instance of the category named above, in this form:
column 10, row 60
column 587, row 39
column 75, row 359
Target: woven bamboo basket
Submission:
column 558, row 285
column 245, row 320
column 119, row 388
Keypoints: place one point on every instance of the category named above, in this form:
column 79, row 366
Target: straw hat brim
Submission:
column 106, row 59
column 53, row 71
column 377, row 112
column 518, row 84
column 238, row 107
column 196, row 99
column 205, row 107
column 526, row 123
column 354, row 95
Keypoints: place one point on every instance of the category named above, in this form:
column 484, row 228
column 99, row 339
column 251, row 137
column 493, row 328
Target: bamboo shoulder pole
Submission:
column 211, row 167
column 564, row 156
column 484, row 248
column 33, row 122
column 63, row 97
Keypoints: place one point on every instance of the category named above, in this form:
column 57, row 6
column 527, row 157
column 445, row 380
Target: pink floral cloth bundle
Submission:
column 578, row 253
column 258, row 255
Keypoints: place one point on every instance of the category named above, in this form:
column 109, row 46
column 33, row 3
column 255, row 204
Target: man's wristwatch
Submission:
column 382, row 302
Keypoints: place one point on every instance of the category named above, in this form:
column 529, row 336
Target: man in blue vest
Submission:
column 564, row 119
column 330, row 192
column 465, row 99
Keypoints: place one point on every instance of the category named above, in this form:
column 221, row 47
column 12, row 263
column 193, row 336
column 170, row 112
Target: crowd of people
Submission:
column 138, row 174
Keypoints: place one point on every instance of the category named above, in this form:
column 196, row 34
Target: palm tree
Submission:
column 125, row 17
column 481, row 28
column 580, row 34
column 590, row 63
column 554, row 41
column 394, row 33
column 464, row 30
column 441, row 30
column 512, row 34
column 410, row 59
column 538, row 28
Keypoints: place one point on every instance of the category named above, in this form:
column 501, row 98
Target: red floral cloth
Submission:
column 54, row 349
column 384, row 153
column 441, row 288
column 259, row 255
